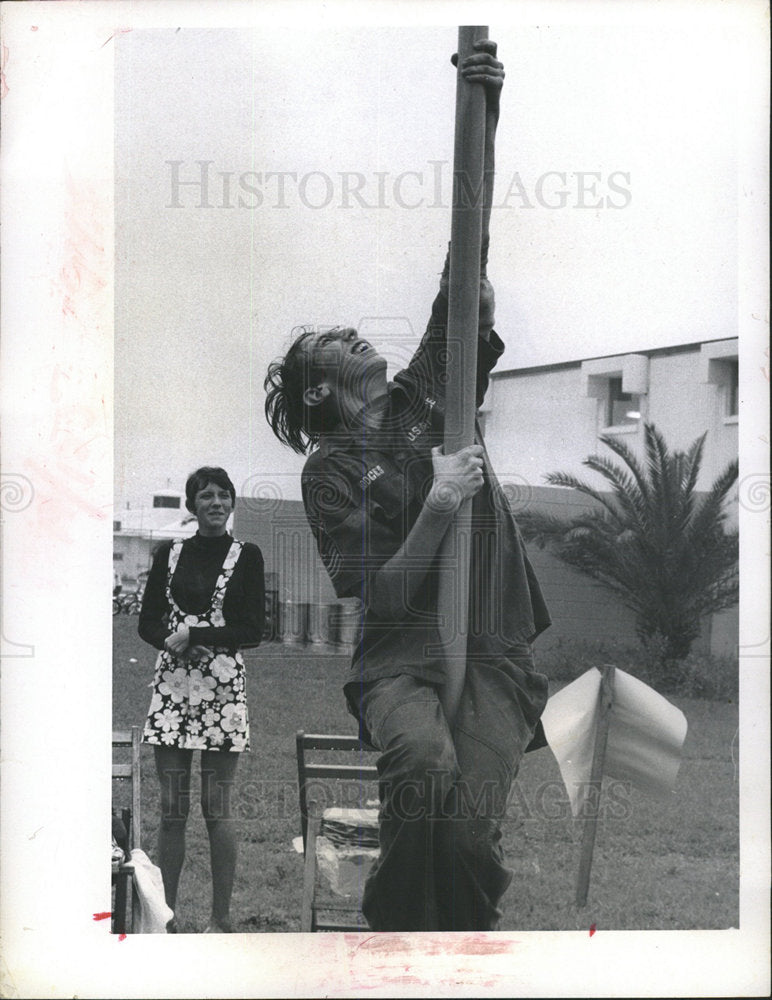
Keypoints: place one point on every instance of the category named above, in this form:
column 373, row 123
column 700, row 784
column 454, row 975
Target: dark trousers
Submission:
column 443, row 794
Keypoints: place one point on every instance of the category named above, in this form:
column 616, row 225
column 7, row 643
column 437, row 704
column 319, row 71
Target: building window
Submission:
column 732, row 388
column 623, row 409
column 161, row 501
column 116, row 525
column 117, row 557
column 719, row 367
column 621, row 385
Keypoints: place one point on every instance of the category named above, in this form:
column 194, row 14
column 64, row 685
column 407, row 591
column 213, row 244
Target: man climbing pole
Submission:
column 381, row 496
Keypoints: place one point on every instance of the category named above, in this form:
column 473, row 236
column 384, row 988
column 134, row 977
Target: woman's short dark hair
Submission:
column 201, row 478
column 293, row 423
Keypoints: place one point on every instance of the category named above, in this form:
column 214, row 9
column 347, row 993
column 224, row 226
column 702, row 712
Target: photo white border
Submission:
column 57, row 321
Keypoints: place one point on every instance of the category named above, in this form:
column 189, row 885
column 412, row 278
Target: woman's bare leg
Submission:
column 173, row 769
column 218, row 771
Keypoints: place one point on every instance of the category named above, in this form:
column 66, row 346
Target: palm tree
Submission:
column 661, row 546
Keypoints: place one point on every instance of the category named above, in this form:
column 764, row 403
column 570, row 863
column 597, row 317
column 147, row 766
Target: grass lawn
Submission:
column 658, row 865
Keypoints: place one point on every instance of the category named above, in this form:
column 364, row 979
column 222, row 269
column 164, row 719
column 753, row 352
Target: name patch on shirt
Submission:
column 417, row 430
column 370, row 476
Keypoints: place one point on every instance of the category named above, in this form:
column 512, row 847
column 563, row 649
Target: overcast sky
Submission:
column 614, row 227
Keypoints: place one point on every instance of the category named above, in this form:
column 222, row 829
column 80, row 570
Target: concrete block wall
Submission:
column 281, row 530
column 581, row 609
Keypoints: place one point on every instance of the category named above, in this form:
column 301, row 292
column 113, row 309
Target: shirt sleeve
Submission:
column 243, row 607
column 154, row 614
column 428, row 368
column 352, row 541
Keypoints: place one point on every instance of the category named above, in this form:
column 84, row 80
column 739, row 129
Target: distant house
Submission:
column 138, row 530
column 538, row 420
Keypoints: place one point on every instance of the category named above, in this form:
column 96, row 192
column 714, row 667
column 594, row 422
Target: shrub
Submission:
column 697, row 675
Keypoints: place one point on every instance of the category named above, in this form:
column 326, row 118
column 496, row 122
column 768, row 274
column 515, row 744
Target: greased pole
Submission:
column 463, row 309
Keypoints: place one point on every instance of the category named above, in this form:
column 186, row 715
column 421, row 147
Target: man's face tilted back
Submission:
column 345, row 367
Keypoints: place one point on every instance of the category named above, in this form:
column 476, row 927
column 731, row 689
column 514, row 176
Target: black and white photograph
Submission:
column 385, row 499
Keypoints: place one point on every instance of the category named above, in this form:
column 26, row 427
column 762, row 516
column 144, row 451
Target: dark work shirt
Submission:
column 193, row 583
column 363, row 494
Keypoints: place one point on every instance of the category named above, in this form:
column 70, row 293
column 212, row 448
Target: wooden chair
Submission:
column 125, row 905
column 320, row 911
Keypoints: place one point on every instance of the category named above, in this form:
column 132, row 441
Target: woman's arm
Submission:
column 153, row 616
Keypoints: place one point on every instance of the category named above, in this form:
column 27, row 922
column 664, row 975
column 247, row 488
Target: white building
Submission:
column 549, row 419
column 137, row 531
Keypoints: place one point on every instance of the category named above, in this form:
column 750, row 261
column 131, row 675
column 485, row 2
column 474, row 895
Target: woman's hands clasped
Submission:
column 178, row 644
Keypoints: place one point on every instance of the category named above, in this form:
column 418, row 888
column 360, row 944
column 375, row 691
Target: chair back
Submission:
column 311, row 771
column 126, row 767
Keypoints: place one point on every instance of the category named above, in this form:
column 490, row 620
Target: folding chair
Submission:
column 126, row 905
column 321, row 911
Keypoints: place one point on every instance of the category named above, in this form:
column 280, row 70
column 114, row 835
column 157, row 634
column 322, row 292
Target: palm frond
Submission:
column 541, row 529
column 630, row 459
column 710, row 512
column 690, row 475
column 626, row 491
column 571, row 482
column 653, row 540
column 693, row 464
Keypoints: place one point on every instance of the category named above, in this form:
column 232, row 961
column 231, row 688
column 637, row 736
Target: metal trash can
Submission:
column 318, row 632
column 292, row 623
column 271, row 627
column 345, row 625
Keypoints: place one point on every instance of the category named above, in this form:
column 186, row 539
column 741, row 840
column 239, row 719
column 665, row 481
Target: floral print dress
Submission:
column 199, row 704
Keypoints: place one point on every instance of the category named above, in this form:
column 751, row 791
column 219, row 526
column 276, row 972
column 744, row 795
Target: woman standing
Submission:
column 204, row 600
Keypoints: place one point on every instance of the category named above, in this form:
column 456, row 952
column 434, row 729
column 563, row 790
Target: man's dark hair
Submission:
column 201, row 478
column 292, row 421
